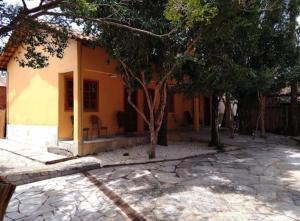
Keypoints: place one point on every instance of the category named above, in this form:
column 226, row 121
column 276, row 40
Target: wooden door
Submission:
column 130, row 125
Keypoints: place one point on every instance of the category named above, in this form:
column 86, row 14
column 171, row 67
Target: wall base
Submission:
column 45, row 136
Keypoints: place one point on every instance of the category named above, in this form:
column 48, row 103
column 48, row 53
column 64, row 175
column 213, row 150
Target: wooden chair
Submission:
column 6, row 192
column 97, row 126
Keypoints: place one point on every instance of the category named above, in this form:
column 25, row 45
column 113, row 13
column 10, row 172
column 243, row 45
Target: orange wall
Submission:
column 111, row 100
column 181, row 104
column 33, row 93
column 96, row 65
column 37, row 96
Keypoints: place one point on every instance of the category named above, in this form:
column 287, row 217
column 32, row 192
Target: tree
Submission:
column 273, row 47
column 47, row 25
column 292, row 63
column 23, row 25
column 146, row 61
column 211, row 68
column 240, row 54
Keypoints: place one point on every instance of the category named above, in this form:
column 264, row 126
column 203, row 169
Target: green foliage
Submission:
column 243, row 50
column 140, row 52
column 189, row 12
column 40, row 36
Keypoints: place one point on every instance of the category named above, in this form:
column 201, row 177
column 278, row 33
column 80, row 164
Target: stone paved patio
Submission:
column 20, row 170
column 252, row 184
column 67, row 198
column 32, row 152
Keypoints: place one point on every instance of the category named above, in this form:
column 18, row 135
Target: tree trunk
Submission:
column 162, row 138
column 153, row 142
column 293, row 116
column 215, row 138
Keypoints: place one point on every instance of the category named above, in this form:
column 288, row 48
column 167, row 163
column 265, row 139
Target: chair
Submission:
column 6, row 192
column 97, row 126
column 121, row 119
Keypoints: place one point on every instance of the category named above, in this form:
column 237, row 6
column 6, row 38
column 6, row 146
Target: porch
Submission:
column 104, row 144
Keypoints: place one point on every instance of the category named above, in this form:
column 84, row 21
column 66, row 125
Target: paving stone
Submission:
column 138, row 174
column 233, row 170
column 245, row 189
column 257, row 170
column 289, row 210
column 228, row 216
column 167, row 178
column 243, row 179
column 15, row 215
column 167, row 169
column 121, row 172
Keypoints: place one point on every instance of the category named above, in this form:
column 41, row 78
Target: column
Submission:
column 77, row 107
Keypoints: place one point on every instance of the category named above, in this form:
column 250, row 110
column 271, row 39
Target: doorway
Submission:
column 130, row 125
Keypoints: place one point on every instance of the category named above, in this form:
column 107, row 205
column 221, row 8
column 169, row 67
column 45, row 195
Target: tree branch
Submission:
column 28, row 14
column 24, row 5
column 150, row 100
column 104, row 21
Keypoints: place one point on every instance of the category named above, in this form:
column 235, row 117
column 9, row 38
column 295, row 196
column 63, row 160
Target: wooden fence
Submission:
column 277, row 114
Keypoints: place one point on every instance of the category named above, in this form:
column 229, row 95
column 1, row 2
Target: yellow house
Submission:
column 56, row 104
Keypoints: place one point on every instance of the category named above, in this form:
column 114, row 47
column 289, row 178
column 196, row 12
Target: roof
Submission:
column 11, row 46
column 7, row 54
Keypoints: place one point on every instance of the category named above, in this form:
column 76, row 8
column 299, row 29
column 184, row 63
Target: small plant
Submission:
column 220, row 147
column 151, row 155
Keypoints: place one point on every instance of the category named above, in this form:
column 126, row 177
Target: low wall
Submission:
column 43, row 136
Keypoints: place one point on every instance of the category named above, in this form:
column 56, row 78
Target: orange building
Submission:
column 58, row 103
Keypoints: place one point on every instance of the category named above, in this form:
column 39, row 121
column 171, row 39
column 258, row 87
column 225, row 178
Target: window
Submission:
column 69, row 94
column 90, row 95
column 171, row 107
